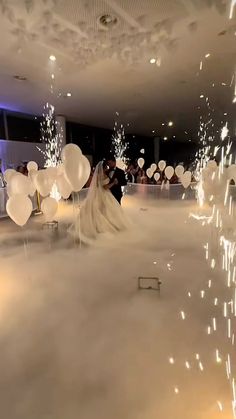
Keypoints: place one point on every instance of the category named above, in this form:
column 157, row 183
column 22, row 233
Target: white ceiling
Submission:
column 109, row 70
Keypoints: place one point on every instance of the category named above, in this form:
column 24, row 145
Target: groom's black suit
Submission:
column 116, row 189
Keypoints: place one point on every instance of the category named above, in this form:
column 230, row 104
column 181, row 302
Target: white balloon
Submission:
column 60, row 169
column 141, row 162
column 8, row 174
column 32, row 175
column 63, row 186
column 212, row 164
column 32, row 165
column 77, row 171
column 231, row 171
column 52, row 173
column 157, row 176
column 186, row 179
column 179, row 171
column 43, row 182
column 153, row 167
column 84, row 171
column 162, row 165
column 19, row 209
column 49, row 208
column 19, row 184
column 169, row 172
column 69, row 151
column 32, row 189
column 149, row 173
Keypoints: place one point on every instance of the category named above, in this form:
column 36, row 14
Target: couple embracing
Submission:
column 101, row 212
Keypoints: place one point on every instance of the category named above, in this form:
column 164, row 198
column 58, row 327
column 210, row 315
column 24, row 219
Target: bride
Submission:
column 100, row 213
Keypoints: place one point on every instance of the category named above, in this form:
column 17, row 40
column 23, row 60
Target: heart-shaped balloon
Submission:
column 19, row 184
column 149, row 173
column 19, row 209
column 179, row 171
column 43, row 182
column 8, row 174
column 157, row 176
column 169, row 172
column 69, row 151
column 32, row 165
column 63, row 186
column 186, row 179
column 141, row 162
column 162, row 165
column 212, row 164
column 153, row 167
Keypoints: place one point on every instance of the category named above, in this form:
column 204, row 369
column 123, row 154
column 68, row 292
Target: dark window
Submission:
column 23, row 128
column 2, row 130
column 80, row 135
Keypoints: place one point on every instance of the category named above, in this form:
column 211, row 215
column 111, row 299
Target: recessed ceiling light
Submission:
column 165, row 138
column 108, row 21
column 19, row 78
column 234, row 99
column 52, row 58
column 202, row 96
column 152, row 60
column 223, row 84
column 68, row 94
column 207, row 55
column 225, row 114
column 170, row 124
column 153, row 131
column 163, row 124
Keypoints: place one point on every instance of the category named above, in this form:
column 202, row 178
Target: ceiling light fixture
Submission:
column 108, row 21
column 202, row 96
column 207, row 55
column 52, row 58
column 165, row 138
column 19, row 78
column 153, row 61
column 234, row 99
column 68, row 94
column 170, row 124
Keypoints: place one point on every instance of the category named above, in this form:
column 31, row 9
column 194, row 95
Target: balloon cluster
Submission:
column 169, row 171
column 70, row 176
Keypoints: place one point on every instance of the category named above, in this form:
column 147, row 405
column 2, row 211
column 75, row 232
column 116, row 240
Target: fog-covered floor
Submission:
column 78, row 340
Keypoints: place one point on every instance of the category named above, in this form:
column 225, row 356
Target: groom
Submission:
column 117, row 174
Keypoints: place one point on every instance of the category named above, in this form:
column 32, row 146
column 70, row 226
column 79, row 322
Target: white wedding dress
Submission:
column 100, row 213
